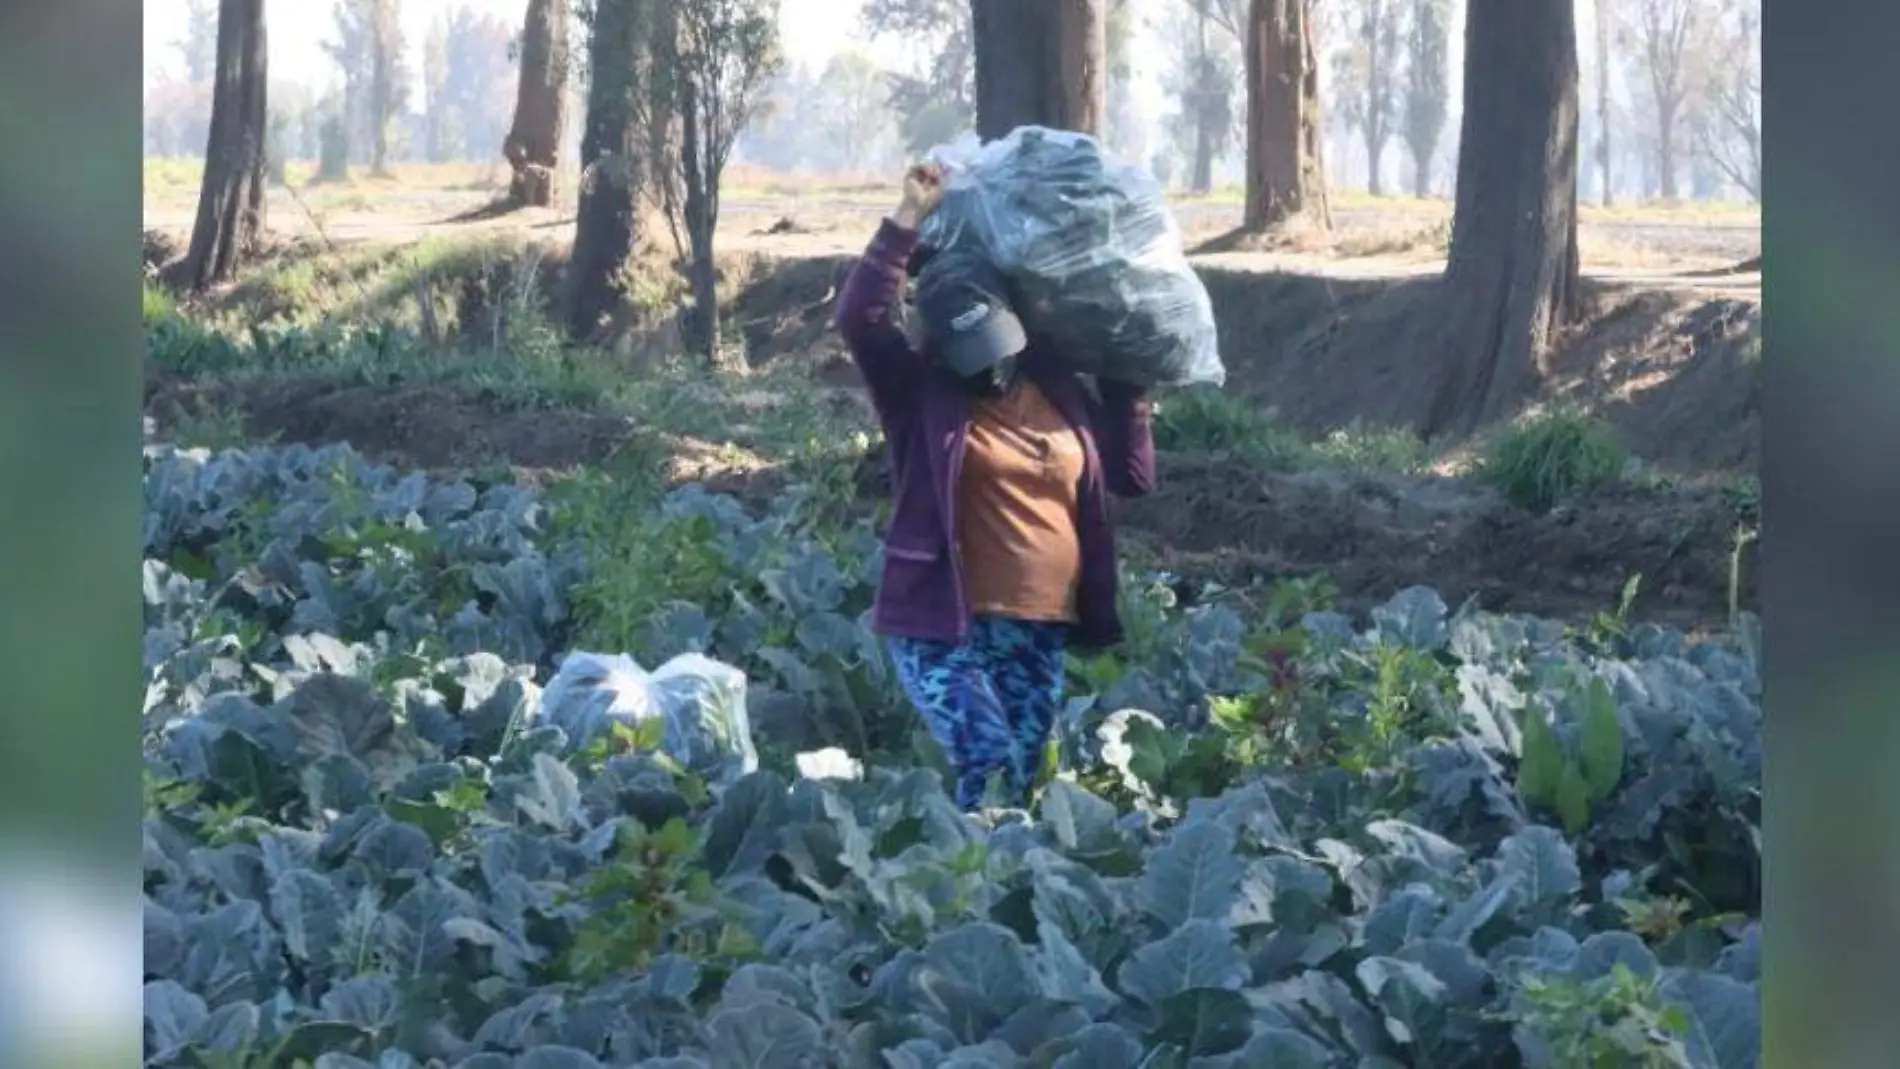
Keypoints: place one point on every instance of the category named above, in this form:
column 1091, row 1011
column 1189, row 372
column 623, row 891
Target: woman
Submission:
column 999, row 553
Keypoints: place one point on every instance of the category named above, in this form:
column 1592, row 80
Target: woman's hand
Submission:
column 923, row 190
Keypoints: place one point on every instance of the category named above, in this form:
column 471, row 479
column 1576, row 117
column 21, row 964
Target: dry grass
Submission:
column 419, row 201
column 1689, row 213
column 165, row 178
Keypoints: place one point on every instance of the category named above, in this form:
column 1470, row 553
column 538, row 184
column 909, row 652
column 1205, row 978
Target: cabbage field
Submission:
column 375, row 834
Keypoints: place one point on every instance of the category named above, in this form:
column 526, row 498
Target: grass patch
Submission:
column 157, row 305
column 1551, row 457
column 773, row 415
column 198, row 423
column 1207, row 420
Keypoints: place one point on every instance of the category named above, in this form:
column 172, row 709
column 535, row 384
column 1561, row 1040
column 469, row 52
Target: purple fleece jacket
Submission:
column 925, row 413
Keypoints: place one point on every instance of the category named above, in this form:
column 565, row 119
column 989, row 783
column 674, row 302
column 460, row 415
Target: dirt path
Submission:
column 1655, row 253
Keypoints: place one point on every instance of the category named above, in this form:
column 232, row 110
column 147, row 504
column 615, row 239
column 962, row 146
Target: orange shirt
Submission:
column 1016, row 518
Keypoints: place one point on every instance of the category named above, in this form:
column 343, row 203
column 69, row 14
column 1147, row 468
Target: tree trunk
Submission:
column 702, row 333
column 231, row 199
column 533, row 145
column 382, row 88
column 1201, row 179
column 1603, row 98
column 1421, row 172
column 1039, row 64
column 333, row 151
column 1286, row 175
column 1511, row 276
column 1666, row 150
column 613, row 165
column 1375, row 159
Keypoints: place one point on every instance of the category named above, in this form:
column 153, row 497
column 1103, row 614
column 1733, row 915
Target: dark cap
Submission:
column 964, row 304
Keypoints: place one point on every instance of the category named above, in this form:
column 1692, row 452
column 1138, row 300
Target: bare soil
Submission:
column 1210, row 518
column 1375, row 535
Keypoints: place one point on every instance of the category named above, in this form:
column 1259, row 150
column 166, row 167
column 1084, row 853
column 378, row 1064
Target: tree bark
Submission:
column 1666, row 150
column 1039, row 64
column 1603, row 98
column 384, row 70
column 533, row 145
column 231, row 198
column 1286, row 175
column 1510, row 282
column 613, row 165
column 701, row 214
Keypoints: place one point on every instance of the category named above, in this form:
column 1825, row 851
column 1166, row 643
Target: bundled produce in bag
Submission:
column 700, row 702
column 1091, row 251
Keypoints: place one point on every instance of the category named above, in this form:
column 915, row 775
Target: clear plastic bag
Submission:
column 702, row 703
column 1091, row 249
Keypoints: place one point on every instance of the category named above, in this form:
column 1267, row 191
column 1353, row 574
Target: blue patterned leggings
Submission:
column 990, row 701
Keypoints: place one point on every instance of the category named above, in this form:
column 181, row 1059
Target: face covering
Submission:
column 994, row 381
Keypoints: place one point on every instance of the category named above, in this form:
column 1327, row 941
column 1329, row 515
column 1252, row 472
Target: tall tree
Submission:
column 480, row 94
column 613, row 160
column 533, row 145
column 441, row 140
column 388, row 79
column 1286, row 174
column 1202, row 39
column 715, row 66
column 231, row 199
column 1510, row 282
column 1366, row 80
column 1427, row 86
column 1728, row 127
column 1041, row 64
column 853, row 121
column 1124, row 133
column 937, row 102
column 350, row 48
column 199, row 45
column 1605, row 22
column 1668, row 36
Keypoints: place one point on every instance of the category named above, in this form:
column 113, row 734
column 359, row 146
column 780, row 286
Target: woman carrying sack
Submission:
column 1000, row 553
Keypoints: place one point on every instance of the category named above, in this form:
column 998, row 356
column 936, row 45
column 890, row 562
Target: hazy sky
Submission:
column 812, row 31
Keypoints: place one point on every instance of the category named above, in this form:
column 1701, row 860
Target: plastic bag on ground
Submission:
column 1091, row 249
column 702, row 703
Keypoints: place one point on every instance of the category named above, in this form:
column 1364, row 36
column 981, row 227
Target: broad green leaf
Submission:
column 1542, row 865
column 765, row 1036
column 744, row 830
column 1725, row 1013
column 1411, row 998
column 553, row 1056
column 1573, row 799
column 1541, row 767
column 1078, row 817
column 1602, row 741
column 173, row 1018
column 1204, row 1021
column 1200, row 953
column 1099, row 1046
column 1195, row 875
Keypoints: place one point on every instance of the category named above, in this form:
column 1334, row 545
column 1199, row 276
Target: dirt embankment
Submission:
column 1676, row 370
column 1374, row 535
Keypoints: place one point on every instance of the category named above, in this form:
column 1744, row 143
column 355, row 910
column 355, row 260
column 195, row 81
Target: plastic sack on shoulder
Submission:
column 1091, row 249
column 701, row 703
